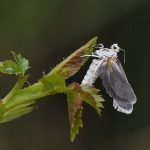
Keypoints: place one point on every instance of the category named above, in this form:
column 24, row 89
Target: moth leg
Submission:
column 92, row 55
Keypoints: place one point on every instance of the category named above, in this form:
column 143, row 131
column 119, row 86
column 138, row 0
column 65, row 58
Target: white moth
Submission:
column 107, row 66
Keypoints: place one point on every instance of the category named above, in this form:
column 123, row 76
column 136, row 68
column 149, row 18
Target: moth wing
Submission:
column 117, row 86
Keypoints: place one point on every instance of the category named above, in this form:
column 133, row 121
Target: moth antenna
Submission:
column 124, row 55
column 92, row 55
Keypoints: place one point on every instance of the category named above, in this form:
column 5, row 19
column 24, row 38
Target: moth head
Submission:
column 115, row 47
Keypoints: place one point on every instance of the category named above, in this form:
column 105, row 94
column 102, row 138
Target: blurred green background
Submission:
column 45, row 32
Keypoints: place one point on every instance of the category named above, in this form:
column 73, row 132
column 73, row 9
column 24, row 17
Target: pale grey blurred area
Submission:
column 47, row 31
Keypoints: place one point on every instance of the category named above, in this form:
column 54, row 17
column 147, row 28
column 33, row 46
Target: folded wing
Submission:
column 117, row 86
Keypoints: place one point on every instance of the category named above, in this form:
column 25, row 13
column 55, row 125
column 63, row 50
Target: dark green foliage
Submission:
column 20, row 100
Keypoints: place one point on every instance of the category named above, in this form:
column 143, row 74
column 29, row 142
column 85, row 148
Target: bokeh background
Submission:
column 46, row 31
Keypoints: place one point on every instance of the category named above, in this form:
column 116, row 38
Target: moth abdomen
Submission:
column 91, row 74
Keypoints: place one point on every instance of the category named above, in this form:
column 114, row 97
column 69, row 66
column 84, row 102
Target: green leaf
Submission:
column 19, row 66
column 9, row 67
column 76, row 95
column 23, row 63
column 16, row 112
column 74, row 62
column 54, row 83
column 75, row 110
column 91, row 97
column 77, row 124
